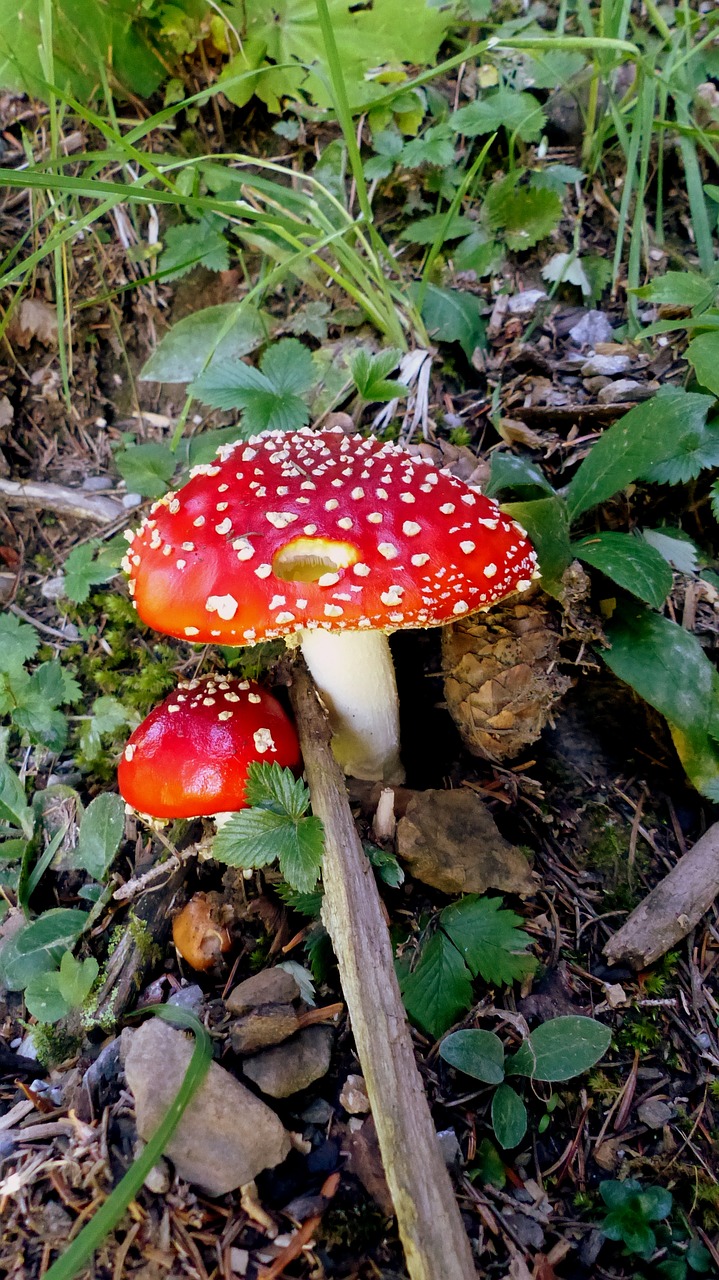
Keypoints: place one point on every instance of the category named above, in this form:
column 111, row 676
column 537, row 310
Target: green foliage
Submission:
column 39, row 945
column 220, row 334
column 452, row 316
column 194, row 244
column 147, row 469
column 274, row 827
column 32, row 700
column 668, row 668
column 272, row 397
column 52, row 995
column 90, row 564
column 384, row 32
column 631, row 562
column 632, row 1210
column 518, row 113
column 116, row 36
column 558, row 1050
column 476, row 937
column 524, row 215
column 369, row 374
column 101, row 831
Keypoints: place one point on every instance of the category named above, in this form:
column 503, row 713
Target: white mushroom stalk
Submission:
column 354, row 673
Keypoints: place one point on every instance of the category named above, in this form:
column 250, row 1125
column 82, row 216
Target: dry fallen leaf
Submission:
column 35, row 318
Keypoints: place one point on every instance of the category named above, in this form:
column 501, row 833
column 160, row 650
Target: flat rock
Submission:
column 271, row 986
column 225, row 1137
column 523, row 304
column 605, row 366
column 294, row 1065
column 268, row 1025
column 450, row 841
column 593, row 327
column 655, row 1113
column 623, row 390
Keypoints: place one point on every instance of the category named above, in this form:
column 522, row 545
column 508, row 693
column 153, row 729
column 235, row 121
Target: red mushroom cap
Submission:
column 305, row 529
column 190, row 756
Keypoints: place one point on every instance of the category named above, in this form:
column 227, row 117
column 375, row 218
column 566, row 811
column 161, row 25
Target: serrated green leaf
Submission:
column 435, row 147
column 509, row 1117
column 668, row 668
column 561, row 1049
column 477, row 1053
column 40, row 721
column 18, row 642
column 703, row 354
column 37, row 947
column 556, row 177
column 82, row 570
column 369, row 373
column 147, row 469
column 215, row 334
column 439, row 989
column 524, row 215
column 453, row 316
column 489, row 938
column 666, row 439
column 518, row 113
column 479, row 253
column 547, row 523
column 272, row 786
column 257, row 837
column 270, row 396
column 193, row 244
column 107, row 716
column 101, row 830
column 629, row 561
column 426, row 230
column 288, row 367
column 54, row 683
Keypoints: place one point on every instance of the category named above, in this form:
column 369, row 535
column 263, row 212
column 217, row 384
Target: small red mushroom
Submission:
column 333, row 541
column 189, row 758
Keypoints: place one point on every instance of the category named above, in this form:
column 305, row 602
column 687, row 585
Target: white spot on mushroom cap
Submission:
column 387, row 550
column 490, row 570
column 129, row 752
column 411, row 528
column 263, row 740
column 419, row 560
column 280, row 519
column 468, row 547
column 263, row 570
column 225, row 606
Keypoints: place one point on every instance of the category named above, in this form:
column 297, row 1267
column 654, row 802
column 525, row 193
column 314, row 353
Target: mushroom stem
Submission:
column 354, row 673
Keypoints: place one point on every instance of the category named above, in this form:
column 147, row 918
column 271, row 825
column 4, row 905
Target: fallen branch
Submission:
column 428, row 1217
column 56, row 497
column 672, row 908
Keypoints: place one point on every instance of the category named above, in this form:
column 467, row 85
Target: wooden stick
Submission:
column 672, row 908
column 56, row 497
column 430, row 1226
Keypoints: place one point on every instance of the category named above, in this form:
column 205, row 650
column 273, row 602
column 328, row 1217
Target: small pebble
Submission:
column 94, row 484
column 523, row 304
column 605, row 366
column 131, row 500
column 593, row 327
column 624, row 389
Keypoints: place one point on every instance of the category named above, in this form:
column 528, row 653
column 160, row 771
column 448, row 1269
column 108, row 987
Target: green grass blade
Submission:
column 111, row 1212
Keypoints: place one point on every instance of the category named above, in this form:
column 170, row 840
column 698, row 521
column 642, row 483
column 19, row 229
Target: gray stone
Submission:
column 523, row 304
column 268, row 1025
column 95, row 484
column 623, row 390
column 271, row 986
column 450, row 841
column 655, row 1113
column 225, row 1137
column 605, row 366
column 292, row 1066
column 593, row 327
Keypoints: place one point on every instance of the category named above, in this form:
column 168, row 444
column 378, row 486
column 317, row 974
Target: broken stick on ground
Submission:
column 673, row 907
column 428, row 1217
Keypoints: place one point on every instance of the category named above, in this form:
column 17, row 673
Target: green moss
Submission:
column 54, row 1044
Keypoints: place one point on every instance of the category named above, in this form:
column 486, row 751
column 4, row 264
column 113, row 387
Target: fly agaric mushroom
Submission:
column 189, row 758
column 336, row 541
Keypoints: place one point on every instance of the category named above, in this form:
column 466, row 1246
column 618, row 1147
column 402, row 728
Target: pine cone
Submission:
column 501, row 677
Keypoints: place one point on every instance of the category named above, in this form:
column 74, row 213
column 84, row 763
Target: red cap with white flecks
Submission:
column 190, row 756
column 286, row 532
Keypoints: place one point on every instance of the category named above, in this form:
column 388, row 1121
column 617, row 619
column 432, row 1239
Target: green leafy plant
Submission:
column 276, row 827
column 475, row 937
column 698, row 294
column 271, row 397
column 33, row 700
column 54, row 994
column 632, row 1211
column 668, row 440
column 369, row 374
column 558, row 1050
